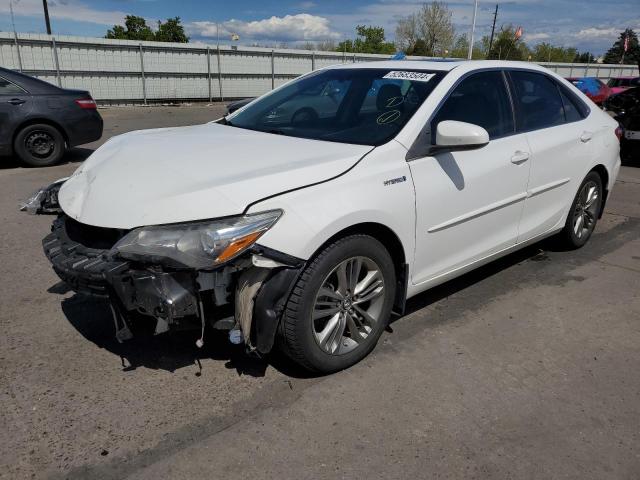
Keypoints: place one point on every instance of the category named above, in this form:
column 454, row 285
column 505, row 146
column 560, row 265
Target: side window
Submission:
column 574, row 108
column 8, row 88
column 537, row 100
column 481, row 99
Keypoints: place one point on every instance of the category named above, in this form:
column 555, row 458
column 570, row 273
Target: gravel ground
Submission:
column 525, row 368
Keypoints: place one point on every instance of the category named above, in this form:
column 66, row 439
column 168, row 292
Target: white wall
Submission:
column 111, row 69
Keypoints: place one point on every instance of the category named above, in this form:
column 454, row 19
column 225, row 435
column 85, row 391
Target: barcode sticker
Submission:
column 416, row 76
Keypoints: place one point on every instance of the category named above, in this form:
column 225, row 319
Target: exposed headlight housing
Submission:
column 199, row 245
column 44, row 200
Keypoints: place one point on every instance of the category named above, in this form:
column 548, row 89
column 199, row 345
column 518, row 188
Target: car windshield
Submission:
column 358, row 105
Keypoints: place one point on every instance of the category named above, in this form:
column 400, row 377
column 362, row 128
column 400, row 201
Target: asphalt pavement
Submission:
column 528, row 368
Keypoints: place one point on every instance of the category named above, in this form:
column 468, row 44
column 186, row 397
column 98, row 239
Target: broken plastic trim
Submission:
column 269, row 305
column 44, row 201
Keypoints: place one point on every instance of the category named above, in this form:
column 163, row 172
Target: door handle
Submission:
column 16, row 101
column 586, row 136
column 519, row 157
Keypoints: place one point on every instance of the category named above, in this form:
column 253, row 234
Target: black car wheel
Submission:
column 39, row 145
column 340, row 305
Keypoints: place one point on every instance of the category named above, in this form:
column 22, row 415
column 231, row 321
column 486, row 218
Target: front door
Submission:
column 469, row 203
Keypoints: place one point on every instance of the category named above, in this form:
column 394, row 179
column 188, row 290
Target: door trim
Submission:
column 545, row 188
column 479, row 212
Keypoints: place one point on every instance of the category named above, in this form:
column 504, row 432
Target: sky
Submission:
column 590, row 25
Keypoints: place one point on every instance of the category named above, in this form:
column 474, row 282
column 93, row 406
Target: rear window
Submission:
column 537, row 100
column 574, row 108
column 8, row 88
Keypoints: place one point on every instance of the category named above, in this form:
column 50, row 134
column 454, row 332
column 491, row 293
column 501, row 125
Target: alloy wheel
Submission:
column 586, row 210
column 348, row 305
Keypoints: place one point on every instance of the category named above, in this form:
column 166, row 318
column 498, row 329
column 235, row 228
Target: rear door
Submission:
column 469, row 203
column 559, row 138
column 15, row 105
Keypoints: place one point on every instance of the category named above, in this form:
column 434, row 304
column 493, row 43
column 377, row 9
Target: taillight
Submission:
column 86, row 103
column 619, row 132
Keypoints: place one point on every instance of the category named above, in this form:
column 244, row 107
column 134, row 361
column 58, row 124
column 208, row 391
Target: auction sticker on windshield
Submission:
column 416, row 76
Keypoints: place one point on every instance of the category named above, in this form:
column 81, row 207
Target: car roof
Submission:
column 445, row 65
column 30, row 84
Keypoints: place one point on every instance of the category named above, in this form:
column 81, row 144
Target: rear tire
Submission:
column 39, row 145
column 340, row 305
column 584, row 213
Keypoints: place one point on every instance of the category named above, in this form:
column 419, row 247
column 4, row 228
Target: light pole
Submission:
column 473, row 30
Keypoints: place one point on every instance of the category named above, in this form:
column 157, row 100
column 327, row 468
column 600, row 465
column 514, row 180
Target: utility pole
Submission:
column 493, row 28
column 473, row 29
column 46, row 16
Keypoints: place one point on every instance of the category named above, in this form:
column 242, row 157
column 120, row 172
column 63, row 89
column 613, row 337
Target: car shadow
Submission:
column 73, row 155
column 630, row 156
column 535, row 252
column 92, row 318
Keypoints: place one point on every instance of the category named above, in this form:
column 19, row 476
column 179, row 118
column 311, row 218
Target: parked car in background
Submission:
column 625, row 108
column 306, row 235
column 620, row 84
column 39, row 121
column 238, row 104
column 592, row 87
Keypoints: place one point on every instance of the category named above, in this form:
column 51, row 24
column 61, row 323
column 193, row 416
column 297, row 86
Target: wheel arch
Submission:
column 601, row 170
column 39, row 120
column 392, row 243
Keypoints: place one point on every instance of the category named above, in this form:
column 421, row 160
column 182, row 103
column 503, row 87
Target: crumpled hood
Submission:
column 170, row 175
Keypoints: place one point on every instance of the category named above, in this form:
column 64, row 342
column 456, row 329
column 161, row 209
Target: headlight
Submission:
column 198, row 245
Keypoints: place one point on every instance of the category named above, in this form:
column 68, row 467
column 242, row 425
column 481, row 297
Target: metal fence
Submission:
column 123, row 71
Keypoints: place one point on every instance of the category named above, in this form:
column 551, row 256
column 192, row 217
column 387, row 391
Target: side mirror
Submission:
column 454, row 136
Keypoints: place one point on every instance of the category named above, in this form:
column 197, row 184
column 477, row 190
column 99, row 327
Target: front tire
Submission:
column 39, row 145
column 340, row 305
column 584, row 212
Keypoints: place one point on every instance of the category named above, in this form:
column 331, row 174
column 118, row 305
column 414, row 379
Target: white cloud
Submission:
column 288, row 28
column 594, row 32
column 64, row 10
column 532, row 37
column 306, row 5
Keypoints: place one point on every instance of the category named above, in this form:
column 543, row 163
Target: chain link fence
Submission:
column 123, row 71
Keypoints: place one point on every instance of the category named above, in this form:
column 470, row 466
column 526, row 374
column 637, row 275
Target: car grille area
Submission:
column 79, row 255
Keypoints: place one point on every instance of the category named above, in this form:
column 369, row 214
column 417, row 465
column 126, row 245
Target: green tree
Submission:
column 584, row 57
column 506, row 46
column 432, row 24
column 136, row 28
column 632, row 55
column 545, row 52
column 460, row 48
column 171, row 31
column 369, row 39
column 419, row 49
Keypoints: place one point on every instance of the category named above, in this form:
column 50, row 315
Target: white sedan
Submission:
column 308, row 233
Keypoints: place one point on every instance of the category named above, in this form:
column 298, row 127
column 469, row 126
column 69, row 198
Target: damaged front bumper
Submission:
column 248, row 293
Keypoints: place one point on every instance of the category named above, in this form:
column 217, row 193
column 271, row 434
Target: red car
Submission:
column 593, row 88
column 620, row 84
